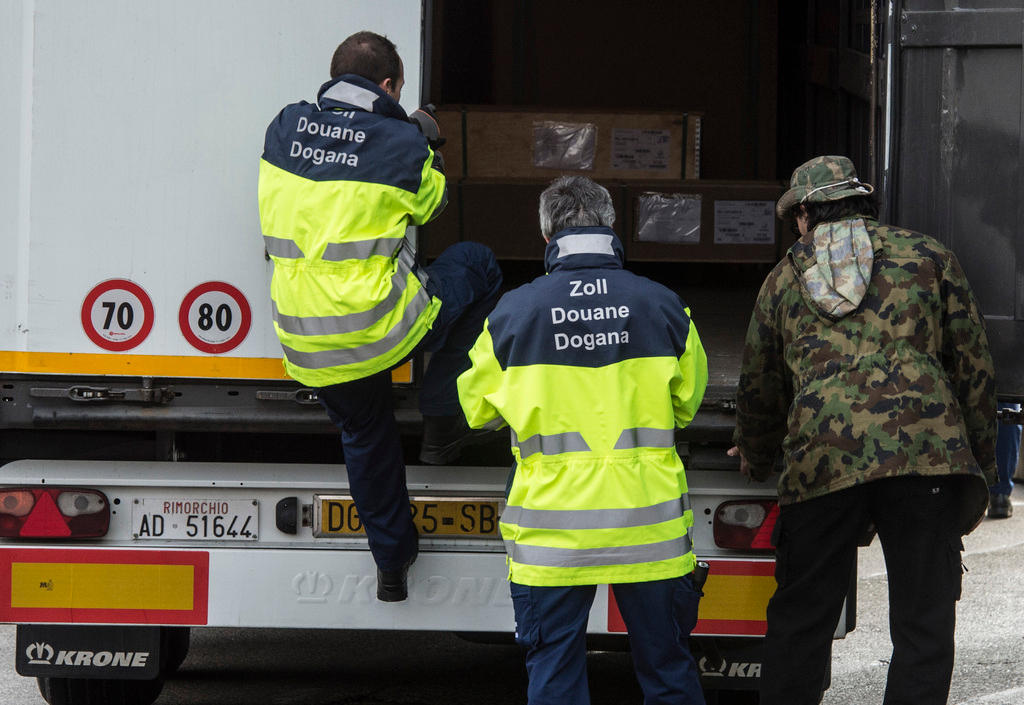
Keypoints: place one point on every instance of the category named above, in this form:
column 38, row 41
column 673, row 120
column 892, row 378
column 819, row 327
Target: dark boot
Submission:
column 1000, row 507
column 393, row 585
column 444, row 437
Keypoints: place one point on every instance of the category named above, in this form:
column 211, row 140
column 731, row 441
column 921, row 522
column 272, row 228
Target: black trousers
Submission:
column 816, row 551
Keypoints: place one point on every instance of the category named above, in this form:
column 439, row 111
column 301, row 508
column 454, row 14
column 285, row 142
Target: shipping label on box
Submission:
column 641, row 149
column 744, row 222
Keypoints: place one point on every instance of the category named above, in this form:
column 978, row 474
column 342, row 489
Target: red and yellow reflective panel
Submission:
column 735, row 599
column 104, row 586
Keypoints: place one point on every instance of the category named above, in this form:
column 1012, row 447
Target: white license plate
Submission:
column 195, row 519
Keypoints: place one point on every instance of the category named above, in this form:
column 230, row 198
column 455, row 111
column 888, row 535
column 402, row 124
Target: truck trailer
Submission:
column 161, row 474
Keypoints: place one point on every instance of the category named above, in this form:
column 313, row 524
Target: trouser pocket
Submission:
column 956, row 565
column 685, row 601
column 527, row 624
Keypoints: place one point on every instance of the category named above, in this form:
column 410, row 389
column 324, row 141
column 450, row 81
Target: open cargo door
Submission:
column 827, row 85
column 955, row 152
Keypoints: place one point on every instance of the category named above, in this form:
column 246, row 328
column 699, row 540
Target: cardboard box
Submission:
column 503, row 214
column 681, row 221
column 704, row 221
column 513, row 143
column 443, row 231
column 450, row 122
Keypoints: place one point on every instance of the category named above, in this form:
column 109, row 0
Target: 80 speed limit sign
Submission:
column 117, row 314
column 215, row 317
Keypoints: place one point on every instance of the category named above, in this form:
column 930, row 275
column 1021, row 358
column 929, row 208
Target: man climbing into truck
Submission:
column 340, row 180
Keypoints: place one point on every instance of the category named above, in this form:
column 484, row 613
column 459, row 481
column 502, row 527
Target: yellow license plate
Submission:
column 455, row 516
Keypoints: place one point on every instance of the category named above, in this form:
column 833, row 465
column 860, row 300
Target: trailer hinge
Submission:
column 728, row 405
column 1010, row 416
column 143, row 395
column 299, row 396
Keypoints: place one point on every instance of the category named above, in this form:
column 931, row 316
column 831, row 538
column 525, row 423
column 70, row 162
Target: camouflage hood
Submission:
column 835, row 266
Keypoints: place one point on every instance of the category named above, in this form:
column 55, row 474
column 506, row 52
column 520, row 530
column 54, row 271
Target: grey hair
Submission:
column 574, row 201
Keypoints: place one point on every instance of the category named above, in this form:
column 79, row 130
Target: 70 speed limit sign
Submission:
column 117, row 314
column 215, row 317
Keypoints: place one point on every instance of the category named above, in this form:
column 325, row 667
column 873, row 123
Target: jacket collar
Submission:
column 349, row 91
column 584, row 248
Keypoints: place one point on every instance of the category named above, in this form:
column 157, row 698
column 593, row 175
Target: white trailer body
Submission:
column 135, row 312
column 129, row 150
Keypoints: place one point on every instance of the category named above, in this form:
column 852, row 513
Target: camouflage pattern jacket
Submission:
column 900, row 384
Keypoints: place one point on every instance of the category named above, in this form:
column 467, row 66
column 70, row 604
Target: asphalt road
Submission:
column 989, row 668
column 266, row 667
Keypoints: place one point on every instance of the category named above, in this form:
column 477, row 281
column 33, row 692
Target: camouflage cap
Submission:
column 822, row 179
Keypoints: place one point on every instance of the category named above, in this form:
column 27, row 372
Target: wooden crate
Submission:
column 704, row 221
column 508, row 143
column 450, row 121
column 503, row 214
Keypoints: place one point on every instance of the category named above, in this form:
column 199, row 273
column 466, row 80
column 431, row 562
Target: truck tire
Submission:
column 174, row 643
column 99, row 691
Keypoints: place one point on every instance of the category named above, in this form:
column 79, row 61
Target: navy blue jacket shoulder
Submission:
column 587, row 311
column 356, row 132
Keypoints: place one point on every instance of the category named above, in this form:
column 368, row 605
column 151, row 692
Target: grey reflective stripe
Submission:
column 494, row 424
column 336, row 251
column 585, row 244
column 337, row 325
column 549, row 557
column 568, row 442
column 353, row 95
column 279, row 247
column 686, row 503
column 362, row 249
column 350, row 356
column 568, row 519
column 646, row 438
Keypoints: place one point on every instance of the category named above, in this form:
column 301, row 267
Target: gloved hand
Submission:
column 426, row 120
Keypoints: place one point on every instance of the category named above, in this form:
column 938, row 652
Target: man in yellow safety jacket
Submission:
column 340, row 180
column 593, row 368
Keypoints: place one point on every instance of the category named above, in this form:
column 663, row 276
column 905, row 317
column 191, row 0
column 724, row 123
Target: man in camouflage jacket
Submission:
column 867, row 366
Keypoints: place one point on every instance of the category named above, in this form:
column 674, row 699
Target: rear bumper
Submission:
column 302, row 588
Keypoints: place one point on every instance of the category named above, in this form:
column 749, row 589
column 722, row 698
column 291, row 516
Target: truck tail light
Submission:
column 53, row 513
column 746, row 524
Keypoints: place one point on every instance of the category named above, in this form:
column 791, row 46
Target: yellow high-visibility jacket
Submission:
column 593, row 368
column 339, row 182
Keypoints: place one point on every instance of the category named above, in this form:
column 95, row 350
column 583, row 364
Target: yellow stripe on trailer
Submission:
column 217, row 367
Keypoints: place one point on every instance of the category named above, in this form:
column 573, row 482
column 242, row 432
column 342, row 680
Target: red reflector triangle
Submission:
column 45, row 519
column 763, row 539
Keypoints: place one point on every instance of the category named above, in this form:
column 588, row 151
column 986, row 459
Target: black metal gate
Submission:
column 953, row 146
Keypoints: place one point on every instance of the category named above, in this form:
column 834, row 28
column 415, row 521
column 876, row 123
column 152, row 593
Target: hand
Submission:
column 744, row 465
column 426, row 120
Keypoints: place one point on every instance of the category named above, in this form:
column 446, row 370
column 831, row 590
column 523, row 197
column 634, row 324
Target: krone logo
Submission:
column 312, row 586
column 711, row 669
column 39, row 653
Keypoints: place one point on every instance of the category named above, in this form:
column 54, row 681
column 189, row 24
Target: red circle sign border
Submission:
column 235, row 340
column 135, row 290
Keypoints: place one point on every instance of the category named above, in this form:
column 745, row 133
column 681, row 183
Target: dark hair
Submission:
column 826, row 211
column 368, row 55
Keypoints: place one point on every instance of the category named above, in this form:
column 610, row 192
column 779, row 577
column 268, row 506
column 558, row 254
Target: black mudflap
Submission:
column 107, row 652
